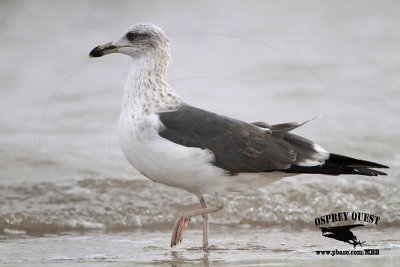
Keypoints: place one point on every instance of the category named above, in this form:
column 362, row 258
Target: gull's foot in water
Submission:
column 179, row 230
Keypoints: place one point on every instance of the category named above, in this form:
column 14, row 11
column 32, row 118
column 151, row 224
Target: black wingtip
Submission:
column 338, row 164
column 357, row 163
column 383, row 166
column 376, row 165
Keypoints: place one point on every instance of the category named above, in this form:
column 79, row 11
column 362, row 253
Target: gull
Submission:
column 179, row 145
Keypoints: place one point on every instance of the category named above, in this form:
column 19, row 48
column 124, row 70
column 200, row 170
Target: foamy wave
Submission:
column 121, row 205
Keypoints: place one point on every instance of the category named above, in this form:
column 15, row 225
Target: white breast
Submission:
column 163, row 161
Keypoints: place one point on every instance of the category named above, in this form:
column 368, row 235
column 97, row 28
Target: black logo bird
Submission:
column 342, row 233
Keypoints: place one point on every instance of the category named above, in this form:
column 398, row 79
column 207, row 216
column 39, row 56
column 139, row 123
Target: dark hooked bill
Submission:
column 102, row 50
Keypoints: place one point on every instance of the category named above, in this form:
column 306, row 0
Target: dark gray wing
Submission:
column 238, row 146
column 258, row 147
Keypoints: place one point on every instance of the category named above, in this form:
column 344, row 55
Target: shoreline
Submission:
column 250, row 247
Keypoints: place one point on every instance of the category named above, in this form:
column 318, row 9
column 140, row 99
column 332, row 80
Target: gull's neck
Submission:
column 147, row 90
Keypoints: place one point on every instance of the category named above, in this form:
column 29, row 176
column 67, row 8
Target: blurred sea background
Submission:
column 63, row 177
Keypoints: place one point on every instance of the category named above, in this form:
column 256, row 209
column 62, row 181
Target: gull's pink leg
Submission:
column 181, row 224
column 179, row 230
column 205, row 224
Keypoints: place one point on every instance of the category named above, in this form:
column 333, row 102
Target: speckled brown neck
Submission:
column 147, row 90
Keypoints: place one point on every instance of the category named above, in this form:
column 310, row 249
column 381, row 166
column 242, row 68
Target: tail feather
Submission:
column 338, row 164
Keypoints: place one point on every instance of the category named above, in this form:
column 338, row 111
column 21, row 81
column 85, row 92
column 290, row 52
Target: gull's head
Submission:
column 142, row 40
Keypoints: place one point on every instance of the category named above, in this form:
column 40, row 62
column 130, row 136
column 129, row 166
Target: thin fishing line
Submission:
column 296, row 60
column 51, row 99
column 280, row 51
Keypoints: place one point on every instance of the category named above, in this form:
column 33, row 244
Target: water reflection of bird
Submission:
column 182, row 146
column 342, row 233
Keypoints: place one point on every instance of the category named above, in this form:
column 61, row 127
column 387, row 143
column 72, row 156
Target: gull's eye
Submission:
column 131, row 36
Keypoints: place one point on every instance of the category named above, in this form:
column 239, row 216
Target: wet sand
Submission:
column 229, row 246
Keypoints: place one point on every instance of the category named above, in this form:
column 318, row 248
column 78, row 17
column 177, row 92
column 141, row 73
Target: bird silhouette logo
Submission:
column 342, row 233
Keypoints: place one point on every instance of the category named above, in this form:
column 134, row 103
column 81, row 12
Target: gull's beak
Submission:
column 102, row 50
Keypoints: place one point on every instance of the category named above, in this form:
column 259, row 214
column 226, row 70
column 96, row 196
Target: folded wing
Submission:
column 255, row 147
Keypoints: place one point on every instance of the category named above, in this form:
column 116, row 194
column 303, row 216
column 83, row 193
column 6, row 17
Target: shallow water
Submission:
column 64, row 179
column 246, row 247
